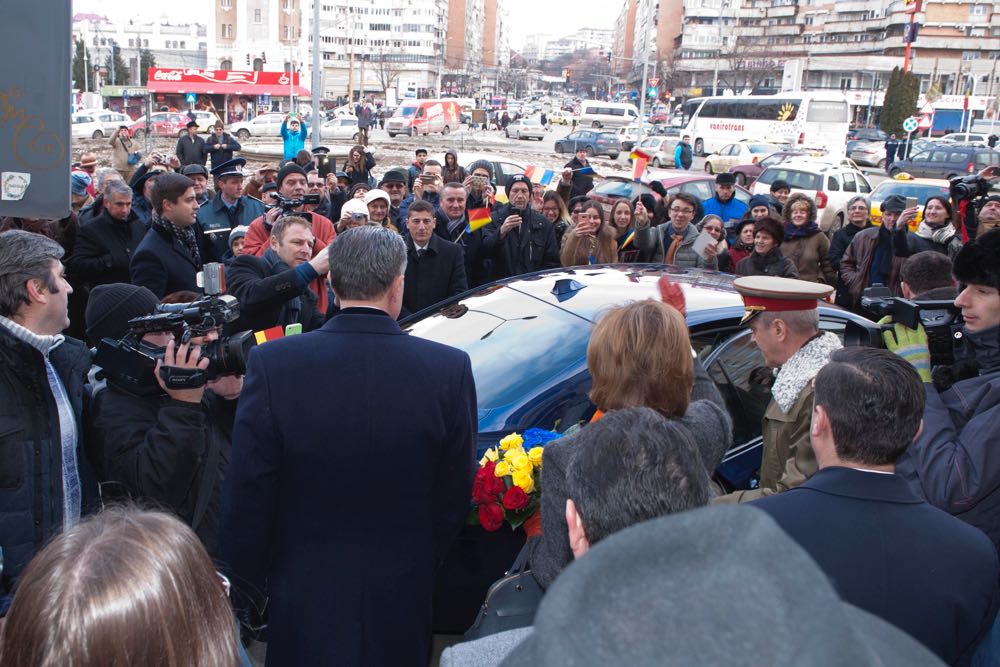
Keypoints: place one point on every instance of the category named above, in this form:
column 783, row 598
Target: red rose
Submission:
column 495, row 486
column 515, row 499
column 490, row 516
column 482, row 486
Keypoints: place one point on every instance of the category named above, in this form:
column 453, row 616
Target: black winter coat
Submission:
column 530, row 247
column 31, row 490
column 582, row 183
column 477, row 263
column 104, row 249
column 439, row 274
column 224, row 154
column 772, row 264
column 155, row 449
column 841, row 239
column 269, row 295
column 163, row 265
column 191, row 151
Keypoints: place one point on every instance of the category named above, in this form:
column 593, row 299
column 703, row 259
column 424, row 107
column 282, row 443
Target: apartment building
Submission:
column 463, row 55
column 622, row 46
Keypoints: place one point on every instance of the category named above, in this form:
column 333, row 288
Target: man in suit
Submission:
column 521, row 240
column 435, row 268
column 342, row 520
column 885, row 549
column 104, row 246
column 169, row 256
column 191, row 147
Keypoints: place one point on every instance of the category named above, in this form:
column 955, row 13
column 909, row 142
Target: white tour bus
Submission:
column 595, row 113
column 815, row 120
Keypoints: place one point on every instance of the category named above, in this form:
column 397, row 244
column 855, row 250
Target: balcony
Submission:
column 784, row 10
column 167, row 29
column 849, row 48
column 845, row 24
column 775, row 30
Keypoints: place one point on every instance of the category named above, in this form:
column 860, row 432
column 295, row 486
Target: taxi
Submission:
column 904, row 185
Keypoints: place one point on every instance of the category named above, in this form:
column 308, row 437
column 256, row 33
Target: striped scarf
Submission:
column 185, row 235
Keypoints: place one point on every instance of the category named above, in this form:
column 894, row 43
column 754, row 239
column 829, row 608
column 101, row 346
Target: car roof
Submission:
column 465, row 158
column 916, row 181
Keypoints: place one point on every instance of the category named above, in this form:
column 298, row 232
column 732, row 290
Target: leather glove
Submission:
column 911, row 345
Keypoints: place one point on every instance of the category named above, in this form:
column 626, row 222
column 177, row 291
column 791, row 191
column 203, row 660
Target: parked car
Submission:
column 592, row 141
column 206, row 121
column 746, row 174
column 344, row 128
column 527, row 340
column 741, row 152
column 966, row 138
column 264, row 125
column 660, row 149
column 905, row 185
column 417, row 117
column 867, row 134
column 947, row 160
column 829, row 183
column 525, row 128
column 97, row 124
column 871, row 153
column 160, row 124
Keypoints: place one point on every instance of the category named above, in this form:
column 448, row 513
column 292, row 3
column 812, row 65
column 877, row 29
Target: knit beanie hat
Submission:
column 110, row 308
column 481, row 164
column 289, row 169
column 978, row 262
column 238, row 233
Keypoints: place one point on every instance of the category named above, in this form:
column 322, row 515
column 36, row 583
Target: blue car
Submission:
column 527, row 338
column 594, row 142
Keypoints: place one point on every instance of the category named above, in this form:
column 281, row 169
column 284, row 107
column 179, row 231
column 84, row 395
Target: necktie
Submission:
column 421, row 252
column 675, row 243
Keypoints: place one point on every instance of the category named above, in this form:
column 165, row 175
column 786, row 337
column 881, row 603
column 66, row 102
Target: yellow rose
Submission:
column 519, row 461
column 491, row 454
column 512, row 440
column 524, row 480
column 502, row 469
column 535, row 455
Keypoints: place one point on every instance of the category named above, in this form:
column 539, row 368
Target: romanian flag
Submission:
column 585, row 171
column 530, row 173
column 478, row 217
column 547, row 177
column 628, row 239
column 274, row 333
column 639, row 166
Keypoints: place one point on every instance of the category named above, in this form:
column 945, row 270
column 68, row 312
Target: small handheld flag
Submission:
column 478, row 217
column 585, row 171
column 274, row 333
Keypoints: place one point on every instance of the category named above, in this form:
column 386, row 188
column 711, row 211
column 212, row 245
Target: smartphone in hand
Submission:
column 911, row 202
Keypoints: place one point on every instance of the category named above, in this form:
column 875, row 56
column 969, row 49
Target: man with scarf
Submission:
column 273, row 290
column 784, row 321
column 869, row 259
column 169, row 256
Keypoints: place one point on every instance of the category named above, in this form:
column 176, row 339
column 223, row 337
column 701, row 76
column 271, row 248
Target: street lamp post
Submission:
column 645, row 69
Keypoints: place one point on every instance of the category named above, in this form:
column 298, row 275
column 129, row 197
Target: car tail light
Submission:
column 754, row 160
column 802, row 138
column 971, row 169
column 821, row 199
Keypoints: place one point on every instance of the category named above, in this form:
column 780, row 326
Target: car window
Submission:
column 507, row 170
column 614, row 189
column 83, row 119
column 986, row 158
column 920, row 157
column 939, row 156
column 957, row 156
column 509, row 339
column 863, row 184
column 832, row 184
column 158, row 117
column 607, row 136
column 797, row 180
column 700, row 189
column 849, row 184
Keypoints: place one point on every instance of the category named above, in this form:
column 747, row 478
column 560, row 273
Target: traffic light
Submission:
column 609, row 56
column 566, row 73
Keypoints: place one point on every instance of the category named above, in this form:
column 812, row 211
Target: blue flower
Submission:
column 537, row 437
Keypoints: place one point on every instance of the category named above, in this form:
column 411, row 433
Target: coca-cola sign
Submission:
column 191, row 75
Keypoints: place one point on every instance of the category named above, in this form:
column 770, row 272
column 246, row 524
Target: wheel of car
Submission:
column 614, row 156
column 741, row 179
column 881, row 164
column 392, row 134
column 656, row 163
column 596, row 124
column 895, row 171
column 699, row 148
column 138, row 135
column 97, row 135
column 708, row 168
column 590, row 151
column 507, row 133
column 243, row 134
column 446, row 130
column 181, row 133
column 558, row 147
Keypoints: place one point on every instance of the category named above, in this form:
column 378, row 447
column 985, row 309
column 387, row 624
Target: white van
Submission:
column 595, row 113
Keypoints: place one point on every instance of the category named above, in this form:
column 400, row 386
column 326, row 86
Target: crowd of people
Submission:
column 328, row 483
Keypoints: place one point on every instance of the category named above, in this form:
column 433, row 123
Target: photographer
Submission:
column 167, row 446
column 521, row 240
column 274, row 289
column 953, row 462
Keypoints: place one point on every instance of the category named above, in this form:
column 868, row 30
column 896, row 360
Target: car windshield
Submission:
column 614, row 189
column 920, row 191
column 530, row 121
column 762, row 148
column 798, row 180
column 405, row 112
column 509, row 337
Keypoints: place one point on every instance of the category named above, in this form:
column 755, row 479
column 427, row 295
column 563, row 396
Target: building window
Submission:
column 145, row 43
column 845, row 83
column 979, row 10
column 257, row 17
column 226, row 65
column 970, row 55
column 131, row 42
column 227, row 30
column 182, row 45
column 226, row 4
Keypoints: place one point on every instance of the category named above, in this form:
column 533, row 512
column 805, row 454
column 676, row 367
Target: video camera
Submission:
column 289, row 205
column 965, row 188
column 130, row 363
column 942, row 320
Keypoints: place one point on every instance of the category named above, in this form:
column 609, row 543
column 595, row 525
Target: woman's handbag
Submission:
column 510, row 603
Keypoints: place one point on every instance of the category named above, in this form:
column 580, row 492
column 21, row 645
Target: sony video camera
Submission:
column 289, row 205
column 130, row 363
column 942, row 320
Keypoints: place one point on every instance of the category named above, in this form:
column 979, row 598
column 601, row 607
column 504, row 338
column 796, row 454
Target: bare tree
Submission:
column 747, row 64
column 387, row 69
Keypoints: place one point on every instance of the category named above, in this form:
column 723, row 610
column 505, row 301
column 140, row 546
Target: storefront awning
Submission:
column 224, row 82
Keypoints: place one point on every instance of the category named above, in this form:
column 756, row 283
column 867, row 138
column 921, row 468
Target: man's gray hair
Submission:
column 364, row 261
column 113, row 188
column 24, row 256
column 106, row 175
column 802, row 322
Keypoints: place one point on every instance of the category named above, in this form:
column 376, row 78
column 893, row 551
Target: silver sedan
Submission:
column 526, row 128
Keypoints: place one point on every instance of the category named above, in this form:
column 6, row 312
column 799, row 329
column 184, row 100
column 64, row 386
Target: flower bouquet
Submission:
column 507, row 486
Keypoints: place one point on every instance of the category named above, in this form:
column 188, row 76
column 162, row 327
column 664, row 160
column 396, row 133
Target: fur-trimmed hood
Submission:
column 786, row 210
column 801, row 368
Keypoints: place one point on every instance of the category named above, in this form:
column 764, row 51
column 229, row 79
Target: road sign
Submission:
column 925, row 122
column 652, row 91
column 927, row 109
column 190, row 98
column 910, row 124
column 653, row 82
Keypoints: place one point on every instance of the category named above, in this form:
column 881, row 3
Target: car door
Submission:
column 83, row 127
column 503, row 172
column 570, row 142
